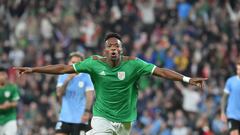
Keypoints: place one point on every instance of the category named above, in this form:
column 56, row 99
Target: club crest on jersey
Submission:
column 80, row 84
column 7, row 94
column 121, row 75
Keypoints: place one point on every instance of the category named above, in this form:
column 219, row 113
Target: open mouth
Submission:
column 113, row 54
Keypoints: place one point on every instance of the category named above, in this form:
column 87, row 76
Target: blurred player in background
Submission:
column 115, row 80
column 231, row 102
column 75, row 92
column 9, row 97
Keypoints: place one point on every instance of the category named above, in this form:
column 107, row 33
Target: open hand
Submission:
column 199, row 82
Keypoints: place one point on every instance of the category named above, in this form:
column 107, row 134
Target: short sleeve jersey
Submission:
column 115, row 87
column 8, row 93
column 232, row 87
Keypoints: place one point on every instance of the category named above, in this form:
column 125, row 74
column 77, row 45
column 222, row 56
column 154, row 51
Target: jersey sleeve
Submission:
column 15, row 93
column 84, row 66
column 60, row 80
column 144, row 68
column 89, row 84
column 227, row 88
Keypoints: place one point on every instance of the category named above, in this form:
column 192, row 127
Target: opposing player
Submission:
column 230, row 102
column 75, row 92
column 9, row 97
column 115, row 81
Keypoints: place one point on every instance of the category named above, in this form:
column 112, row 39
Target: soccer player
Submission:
column 75, row 92
column 115, row 79
column 9, row 97
column 230, row 102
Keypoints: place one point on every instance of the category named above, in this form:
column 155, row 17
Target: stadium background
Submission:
column 193, row 37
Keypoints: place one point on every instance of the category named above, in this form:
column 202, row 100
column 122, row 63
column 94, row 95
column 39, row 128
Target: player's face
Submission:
column 74, row 60
column 238, row 69
column 113, row 48
column 3, row 77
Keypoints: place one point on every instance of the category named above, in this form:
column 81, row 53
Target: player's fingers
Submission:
column 18, row 68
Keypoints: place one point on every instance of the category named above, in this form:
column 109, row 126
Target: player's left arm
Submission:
column 172, row 75
column 7, row 105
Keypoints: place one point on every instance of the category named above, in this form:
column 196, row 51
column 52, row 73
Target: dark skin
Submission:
column 112, row 52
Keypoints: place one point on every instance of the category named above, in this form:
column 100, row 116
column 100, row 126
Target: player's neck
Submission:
column 114, row 63
column 2, row 84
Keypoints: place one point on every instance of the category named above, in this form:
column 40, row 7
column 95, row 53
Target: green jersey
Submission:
column 8, row 93
column 115, row 87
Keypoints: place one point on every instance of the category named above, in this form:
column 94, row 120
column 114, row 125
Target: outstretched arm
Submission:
column 172, row 75
column 50, row 69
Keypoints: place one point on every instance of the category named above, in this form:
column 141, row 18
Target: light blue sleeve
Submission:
column 60, row 80
column 227, row 88
column 89, row 84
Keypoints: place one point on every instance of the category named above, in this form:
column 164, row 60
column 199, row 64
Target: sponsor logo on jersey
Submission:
column 121, row 75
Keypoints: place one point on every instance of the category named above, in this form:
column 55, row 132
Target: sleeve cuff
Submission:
column 59, row 84
column 153, row 69
column 89, row 89
column 226, row 91
column 74, row 67
column 16, row 98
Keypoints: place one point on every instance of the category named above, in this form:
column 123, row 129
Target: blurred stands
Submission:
column 193, row 37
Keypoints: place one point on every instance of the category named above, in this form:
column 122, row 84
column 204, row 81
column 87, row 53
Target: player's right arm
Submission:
column 223, row 106
column 50, row 69
column 83, row 67
column 224, row 100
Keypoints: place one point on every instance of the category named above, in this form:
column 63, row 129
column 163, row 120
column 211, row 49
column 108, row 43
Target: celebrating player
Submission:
column 115, row 79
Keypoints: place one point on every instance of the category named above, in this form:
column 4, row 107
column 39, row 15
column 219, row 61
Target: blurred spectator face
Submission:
column 74, row 59
column 113, row 48
column 3, row 77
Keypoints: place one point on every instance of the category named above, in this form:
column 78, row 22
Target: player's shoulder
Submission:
column 233, row 78
column 84, row 75
column 97, row 57
column 62, row 76
column 12, row 86
column 129, row 58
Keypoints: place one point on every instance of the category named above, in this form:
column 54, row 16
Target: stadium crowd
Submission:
column 193, row 37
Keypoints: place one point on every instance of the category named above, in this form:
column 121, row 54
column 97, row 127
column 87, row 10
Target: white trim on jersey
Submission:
column 59, row 84
column 89, row 89
column 153, row 69
column 75, row 68
column 226, row 91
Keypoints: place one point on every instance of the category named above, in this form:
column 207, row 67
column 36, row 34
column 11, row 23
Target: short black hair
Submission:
column 3, row 69
column 76, row 54
column 112, row 34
